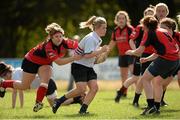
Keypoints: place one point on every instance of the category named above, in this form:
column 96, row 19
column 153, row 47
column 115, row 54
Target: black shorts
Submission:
column 125, row 60
column 29, row 66
column 139, row 68
column 82, row 73
column 176, row 72
column 163, row 67
column 51, row 87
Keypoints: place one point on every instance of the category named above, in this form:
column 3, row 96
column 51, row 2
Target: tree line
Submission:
column 22, row 22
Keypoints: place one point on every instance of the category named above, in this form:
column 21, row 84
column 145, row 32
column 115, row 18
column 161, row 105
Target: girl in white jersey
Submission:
column 82, row 70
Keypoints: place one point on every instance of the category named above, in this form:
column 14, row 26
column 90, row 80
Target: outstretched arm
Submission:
column 63, row 61
column 149, row 58
column 137, row 52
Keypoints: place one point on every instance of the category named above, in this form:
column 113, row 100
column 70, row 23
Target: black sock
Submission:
column 162, row 99
column 136, row 97
column 150, row 102
column 61, row 99
column 76, row 99
column 157, row 104
column 83, row 108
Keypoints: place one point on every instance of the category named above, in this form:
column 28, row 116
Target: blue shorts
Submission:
column 162, row 67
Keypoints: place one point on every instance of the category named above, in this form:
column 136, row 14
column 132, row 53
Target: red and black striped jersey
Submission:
column 163, row 43
column 122, row 36
column 46, row 52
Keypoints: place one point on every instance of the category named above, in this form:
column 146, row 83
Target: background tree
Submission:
column 22, row 22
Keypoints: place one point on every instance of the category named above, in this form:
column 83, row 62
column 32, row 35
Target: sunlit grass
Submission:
column 102, row 107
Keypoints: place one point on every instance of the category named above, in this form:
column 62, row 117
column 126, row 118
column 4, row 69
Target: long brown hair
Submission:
column 53, row 28
column 150, row 22
column 170, row 23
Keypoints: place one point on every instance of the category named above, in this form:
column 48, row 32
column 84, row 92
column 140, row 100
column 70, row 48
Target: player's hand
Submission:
column 129, row 52
column 77, row 57
column 105, row 48
column 143, row 60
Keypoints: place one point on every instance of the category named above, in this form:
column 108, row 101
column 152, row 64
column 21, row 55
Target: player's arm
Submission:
column 63, row 61
column 53, row 55
column 149, row 58
column 96, row 52
column 137, row 52
column 132, row 44
column 111, row 45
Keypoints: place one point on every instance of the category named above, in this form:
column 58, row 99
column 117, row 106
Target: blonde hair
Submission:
column 93, row 23
column 162, row 5
column 123, row 13
column 53, row 28
column 149, row 9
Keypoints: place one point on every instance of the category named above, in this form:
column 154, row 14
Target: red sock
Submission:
column 41, row 92
column 8, row 83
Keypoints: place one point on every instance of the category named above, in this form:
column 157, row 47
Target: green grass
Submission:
column 102, row 107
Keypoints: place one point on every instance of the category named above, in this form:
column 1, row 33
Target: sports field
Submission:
column 103, row 106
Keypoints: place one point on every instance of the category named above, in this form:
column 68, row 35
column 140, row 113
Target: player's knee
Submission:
column 94, row 89
column 81, row 90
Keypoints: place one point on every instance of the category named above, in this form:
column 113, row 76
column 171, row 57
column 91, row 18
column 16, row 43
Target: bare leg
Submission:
column 138, row 91
column 45, row 73
column 131, row 80
column 14, row 94
column 93, row 88
column 27, row 79
column 21, row 98
column 146, row 79
column 80, row 89
column 139, row 86
column 124, row 73
column 178, row 75
column 158, row 88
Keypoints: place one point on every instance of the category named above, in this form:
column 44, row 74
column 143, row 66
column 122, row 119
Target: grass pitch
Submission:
column 102, row 107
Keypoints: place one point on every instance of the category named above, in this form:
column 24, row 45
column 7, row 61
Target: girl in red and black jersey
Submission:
column 39, row 59
column 161, row 11
column 176, row 36
column 138, row 69
column 120, row 37
column 162, row 67
column 170, row 25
